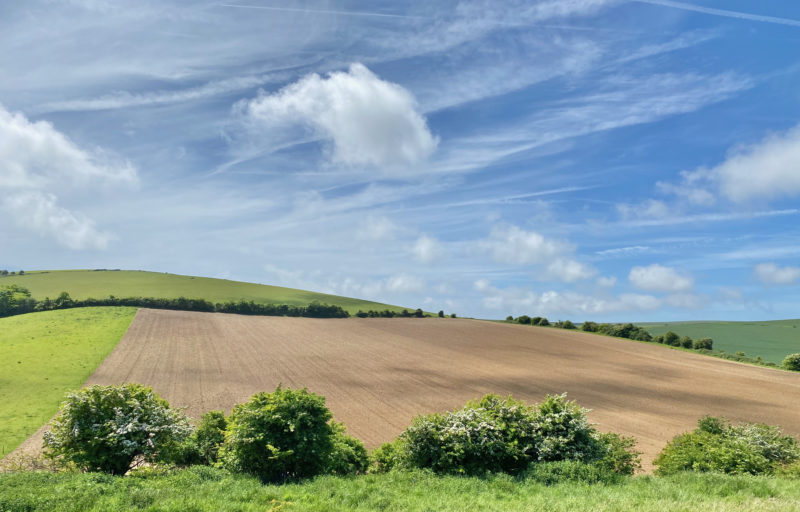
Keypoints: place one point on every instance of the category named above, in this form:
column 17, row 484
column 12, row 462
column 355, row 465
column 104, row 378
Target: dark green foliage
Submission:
column 703, row 344
column 348, row 456
column 452, row 315
column 441, row 314
column 209, row 436
column 537, row 320
column 498, row 434
column 543, row 322
column 718, row 446
column 672, row 339
column 792, row 362
column 686, row 342
column 524, row 319
column 589, row 326
column 659, row 339
column 106, row 428
column 566, row 324
column 509, row 318
column 277, row 436
column 388, row 313
column 16, row 300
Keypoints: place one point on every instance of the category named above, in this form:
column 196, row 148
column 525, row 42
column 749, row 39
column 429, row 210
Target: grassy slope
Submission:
column 44, row 355
column 82, row 284
column 200, row 489
column 771, row 340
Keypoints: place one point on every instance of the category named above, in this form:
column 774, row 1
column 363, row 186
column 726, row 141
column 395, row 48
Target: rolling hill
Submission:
column 772, row 340
column 83, row 284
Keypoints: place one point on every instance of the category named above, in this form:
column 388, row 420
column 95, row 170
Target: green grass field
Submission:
column 772, row 340
column 45, row 355
column 201, row 488
column 83, row 284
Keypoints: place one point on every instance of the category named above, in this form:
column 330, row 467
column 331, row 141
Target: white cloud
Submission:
column 38, row 164
column 659, row 278
column 367, row 120
column 766, row 170
column 427, row 249
column 770, row 273
column 686, row 300
column 518, row 301
column 606, row 281
column 404, row 283
column 569, row 270
column 519, row 247
column 651, row 208
column 377, row 228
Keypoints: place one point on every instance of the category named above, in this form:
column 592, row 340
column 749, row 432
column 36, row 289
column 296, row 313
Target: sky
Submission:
column 607, row 160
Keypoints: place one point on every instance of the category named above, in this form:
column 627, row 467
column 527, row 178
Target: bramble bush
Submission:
column 107, row 428
column 716, row 445
column 287, row 435
column 504, row 435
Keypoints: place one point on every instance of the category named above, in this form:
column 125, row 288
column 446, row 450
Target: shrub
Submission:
column 686, row 342
column 286, row 434
column 537, row 320
column 718, row 446
column 589, row 326
column 348, row 456
column 524, row 319
column 509, row 318
column 792, row 362
column 659, row 338
column 503, row 435
column 703, row 344
column 672, row 339
column 441, row 313
column 543, row 322
column 209, row 436
column 106, row 428
column 552, row 473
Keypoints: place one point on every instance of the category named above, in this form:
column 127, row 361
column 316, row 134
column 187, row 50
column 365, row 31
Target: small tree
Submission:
column 589, row 326
column 672, row 339
column 106, row 428
column 686, row 342
column 792, row 362
column 441, row 313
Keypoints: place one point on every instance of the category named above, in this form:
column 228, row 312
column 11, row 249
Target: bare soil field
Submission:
column 377, row 374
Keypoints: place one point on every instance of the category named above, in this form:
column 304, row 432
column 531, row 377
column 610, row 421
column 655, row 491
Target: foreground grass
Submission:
column 84, row 284
column 45, row 355
column 772, row 340
column 201, row 489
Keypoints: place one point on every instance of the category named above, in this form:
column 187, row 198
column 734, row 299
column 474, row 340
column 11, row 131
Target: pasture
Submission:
column 45, row 355
column 84, row 284
column 772, row 340
column 377, row 374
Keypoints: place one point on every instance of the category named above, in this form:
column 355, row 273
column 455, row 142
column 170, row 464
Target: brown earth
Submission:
column 377, row 374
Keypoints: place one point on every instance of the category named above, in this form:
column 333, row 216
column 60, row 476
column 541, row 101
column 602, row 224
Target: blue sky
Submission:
column 584, row 159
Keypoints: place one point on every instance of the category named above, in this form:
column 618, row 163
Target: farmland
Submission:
column 772, row 340
column 45, row 355
column 377, row 374
column 84, row 284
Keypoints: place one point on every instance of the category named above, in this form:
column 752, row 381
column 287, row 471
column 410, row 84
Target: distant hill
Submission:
column 772, row 340
column 83, row 284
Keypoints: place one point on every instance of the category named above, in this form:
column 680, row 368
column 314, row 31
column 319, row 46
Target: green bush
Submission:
column 524, row 319
column 107, row 428
column 672, row 339
column 686, row 342
column 552, row 473
column 503, row 435
column 277, row 436
column 703, row 344
column 792, row 362
column 589, row 326
column 537, row 320
column 718, row 446
column 348, row 456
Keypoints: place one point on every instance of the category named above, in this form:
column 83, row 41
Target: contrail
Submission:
column 722, row 12
column 320, row 11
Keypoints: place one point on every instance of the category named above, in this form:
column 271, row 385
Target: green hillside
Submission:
column 83, row 284
column 772, row 340
column 45, row 355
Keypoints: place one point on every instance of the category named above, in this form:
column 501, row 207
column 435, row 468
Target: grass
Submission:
column 45, row 355
column 84, row 284
column 772, row 340
column 202, row 488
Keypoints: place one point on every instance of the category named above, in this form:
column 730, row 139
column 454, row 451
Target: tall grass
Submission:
column 202, row 488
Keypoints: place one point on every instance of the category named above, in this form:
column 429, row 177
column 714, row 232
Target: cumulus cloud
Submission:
column 770, row 273
column 660, row 279
column 366, row 120
column 38, row 164
column 427, row 249
column 513, row 245
column 766, row 170
column 518, row 300
column 606, row 281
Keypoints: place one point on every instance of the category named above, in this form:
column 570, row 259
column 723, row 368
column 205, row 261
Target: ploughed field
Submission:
column 377, row 374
